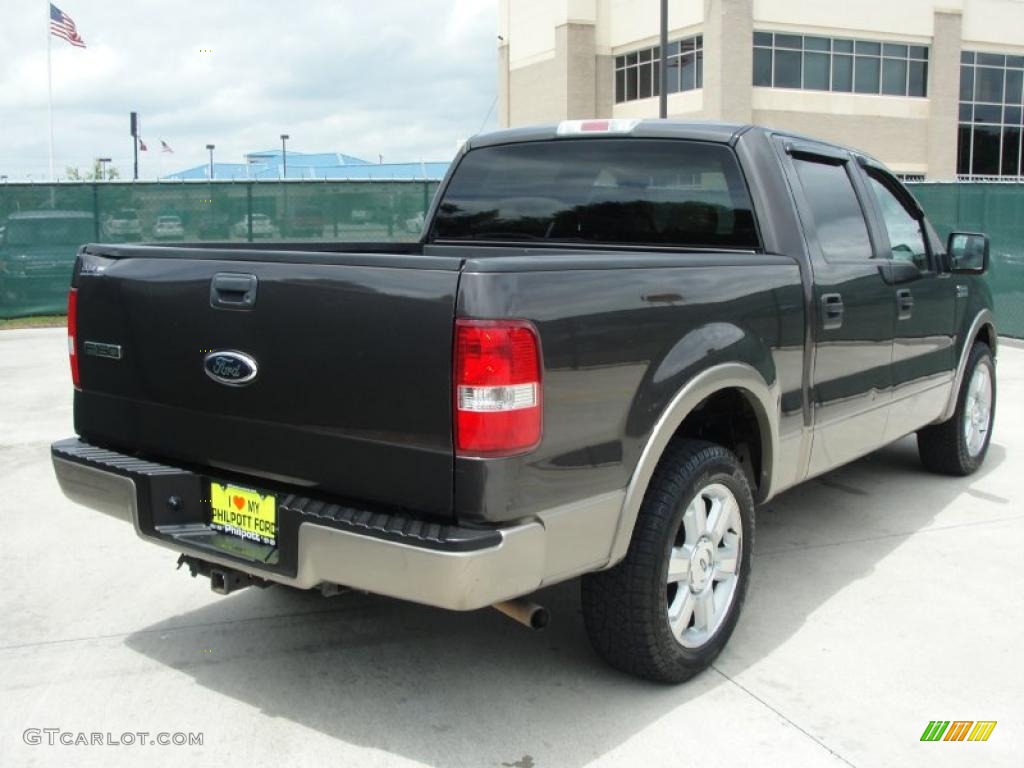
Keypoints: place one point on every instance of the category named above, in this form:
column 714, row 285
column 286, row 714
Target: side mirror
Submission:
column 968, row 252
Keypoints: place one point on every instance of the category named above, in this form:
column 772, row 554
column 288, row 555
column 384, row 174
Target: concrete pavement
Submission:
column 883, row 597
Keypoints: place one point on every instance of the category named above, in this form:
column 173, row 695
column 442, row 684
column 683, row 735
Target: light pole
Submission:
column 662, row 73
column 211, row 148
column 103, row 166
column 284, row 190
column 134, row 125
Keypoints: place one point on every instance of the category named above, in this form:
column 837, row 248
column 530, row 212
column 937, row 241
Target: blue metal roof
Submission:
column 305, row 159
column 425, row 170
column 267, row 166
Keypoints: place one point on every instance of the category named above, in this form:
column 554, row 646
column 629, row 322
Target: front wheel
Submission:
column 667, row 610
column 958, row 446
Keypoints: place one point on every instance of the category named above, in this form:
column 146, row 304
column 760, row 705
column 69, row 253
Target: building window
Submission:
column 989, row 141
column 841, row 65
column 637, row 73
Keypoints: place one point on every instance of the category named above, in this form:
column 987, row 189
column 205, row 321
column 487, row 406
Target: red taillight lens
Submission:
column 73, row 336
column 497, row 387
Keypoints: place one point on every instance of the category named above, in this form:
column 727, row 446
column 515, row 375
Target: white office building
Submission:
column 932, row 88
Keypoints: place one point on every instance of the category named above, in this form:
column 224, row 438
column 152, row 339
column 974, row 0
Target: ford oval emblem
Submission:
column 235, row 369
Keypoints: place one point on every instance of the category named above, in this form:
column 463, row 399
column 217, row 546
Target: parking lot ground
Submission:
column 883, row 598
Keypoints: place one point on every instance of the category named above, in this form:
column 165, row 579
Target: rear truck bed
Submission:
column 295, row 415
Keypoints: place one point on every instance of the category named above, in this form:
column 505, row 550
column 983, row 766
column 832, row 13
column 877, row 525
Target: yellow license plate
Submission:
column 244, row 512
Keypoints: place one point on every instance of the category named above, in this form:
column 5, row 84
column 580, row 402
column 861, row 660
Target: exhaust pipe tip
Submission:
column 526, row 612
column 540, row 618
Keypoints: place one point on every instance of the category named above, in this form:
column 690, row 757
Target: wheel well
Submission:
column 727, row 418
column 987, row 334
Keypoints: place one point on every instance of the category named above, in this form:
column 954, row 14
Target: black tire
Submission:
column 943, row 447
column 625, row 608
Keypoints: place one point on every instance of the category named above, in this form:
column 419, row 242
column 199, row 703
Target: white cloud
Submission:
column 403, row 79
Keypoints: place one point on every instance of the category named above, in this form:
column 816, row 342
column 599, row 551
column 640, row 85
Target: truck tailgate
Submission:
column 352, row 395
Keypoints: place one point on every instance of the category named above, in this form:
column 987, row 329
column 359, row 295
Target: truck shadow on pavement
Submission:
column 477, row 689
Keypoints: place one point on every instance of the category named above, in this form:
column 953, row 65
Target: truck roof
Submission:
column 700, row 130
column 648, row 128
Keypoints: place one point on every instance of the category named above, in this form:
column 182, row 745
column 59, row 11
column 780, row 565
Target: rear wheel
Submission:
column 958, row 446
column 669, row 607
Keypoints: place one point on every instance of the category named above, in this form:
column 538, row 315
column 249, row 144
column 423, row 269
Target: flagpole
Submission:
column 49, row 83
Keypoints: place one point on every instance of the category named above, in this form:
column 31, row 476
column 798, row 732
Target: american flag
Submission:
column 61, row 25
column 165, row 147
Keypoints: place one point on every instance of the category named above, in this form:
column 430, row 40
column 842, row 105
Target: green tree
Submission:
column 72, row 173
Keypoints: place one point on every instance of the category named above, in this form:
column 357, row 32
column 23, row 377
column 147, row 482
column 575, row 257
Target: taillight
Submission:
column 73, row 336
column 497, row 387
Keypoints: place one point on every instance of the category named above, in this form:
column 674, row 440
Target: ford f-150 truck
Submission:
column 612, row 342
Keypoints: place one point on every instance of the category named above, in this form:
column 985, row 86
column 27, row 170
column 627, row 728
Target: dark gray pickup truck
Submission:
column 614, row 339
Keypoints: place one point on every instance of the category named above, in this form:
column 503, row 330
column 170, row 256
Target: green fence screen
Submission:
column 998, row 210
column 41, row 225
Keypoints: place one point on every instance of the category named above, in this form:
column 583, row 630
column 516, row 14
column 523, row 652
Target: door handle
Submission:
column 233, row 291
column 831, row 311
column 905, row 303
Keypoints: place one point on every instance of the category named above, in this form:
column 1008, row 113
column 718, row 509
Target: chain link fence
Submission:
column 42, row 225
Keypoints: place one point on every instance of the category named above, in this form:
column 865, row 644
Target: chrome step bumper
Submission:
column 440, row 565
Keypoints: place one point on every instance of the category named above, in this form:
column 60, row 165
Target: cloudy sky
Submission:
column 405, row 79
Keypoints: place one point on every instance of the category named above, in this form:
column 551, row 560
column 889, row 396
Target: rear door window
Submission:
column 838, row 218
column 658, row 192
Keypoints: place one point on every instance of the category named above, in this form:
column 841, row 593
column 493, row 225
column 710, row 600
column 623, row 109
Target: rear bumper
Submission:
column 320, row 542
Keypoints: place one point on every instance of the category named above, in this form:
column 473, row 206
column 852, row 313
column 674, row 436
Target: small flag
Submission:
column 142, row 145
column 62, row 26
column 165, row 147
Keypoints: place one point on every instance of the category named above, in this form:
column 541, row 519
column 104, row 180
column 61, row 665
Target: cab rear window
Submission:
column 662, row 192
